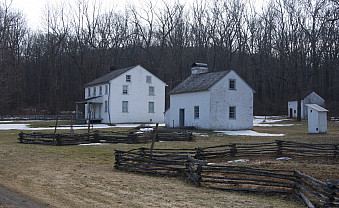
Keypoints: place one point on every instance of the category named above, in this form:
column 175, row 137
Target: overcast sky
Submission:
column 33, row 9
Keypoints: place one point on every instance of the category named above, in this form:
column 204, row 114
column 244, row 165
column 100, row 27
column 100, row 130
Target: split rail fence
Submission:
column 192, row 164
column 128, row 137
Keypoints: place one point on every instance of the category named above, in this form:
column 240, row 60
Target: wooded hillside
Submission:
column 285, row 48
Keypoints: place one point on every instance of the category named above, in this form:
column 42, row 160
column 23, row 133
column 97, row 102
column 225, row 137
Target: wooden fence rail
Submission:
column 127, row 137
column 276, row 148
column 183, row 162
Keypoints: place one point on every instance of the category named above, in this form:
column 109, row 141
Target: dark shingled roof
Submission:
column 199, row 82
column 107, row 77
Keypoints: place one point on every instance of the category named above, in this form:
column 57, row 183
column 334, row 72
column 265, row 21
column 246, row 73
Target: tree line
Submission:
column 282, row 49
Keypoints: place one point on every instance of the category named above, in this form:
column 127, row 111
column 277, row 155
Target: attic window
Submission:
column 232, row 84
column 128, row 78
column 148, row 79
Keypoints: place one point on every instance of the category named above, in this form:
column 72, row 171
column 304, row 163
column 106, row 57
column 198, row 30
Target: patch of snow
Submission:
column 9, row 126
column 146, row 129
column 283, row 158
column 266, row 121
column 91, row 144
column 247, row 133
column 200, row 134
column 26, row 127
column 239, row 160
column 271, row 125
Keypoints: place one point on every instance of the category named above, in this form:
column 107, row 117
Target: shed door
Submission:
column 291, row 113
column 181, row 117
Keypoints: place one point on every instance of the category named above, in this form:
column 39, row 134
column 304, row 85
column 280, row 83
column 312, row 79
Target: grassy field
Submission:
column 83, row 176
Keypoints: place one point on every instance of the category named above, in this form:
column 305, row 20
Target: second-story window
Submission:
column 125, row 89
column 100, row 90
column 128, row 78
column 94, row 91
column 151, row 90
column 106, row 89
column 89, row 92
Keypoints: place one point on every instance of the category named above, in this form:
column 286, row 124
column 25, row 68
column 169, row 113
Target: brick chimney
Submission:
column 199, row 68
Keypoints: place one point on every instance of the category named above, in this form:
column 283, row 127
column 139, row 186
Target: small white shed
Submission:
column 317, row 119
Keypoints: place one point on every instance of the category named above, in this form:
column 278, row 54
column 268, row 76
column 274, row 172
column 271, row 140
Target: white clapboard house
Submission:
column 128, row 95
column 219, row 100
column 307, row 97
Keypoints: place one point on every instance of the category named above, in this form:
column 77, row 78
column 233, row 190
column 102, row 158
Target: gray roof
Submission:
column 108, row 77
column 199, row 82
column 316, row 107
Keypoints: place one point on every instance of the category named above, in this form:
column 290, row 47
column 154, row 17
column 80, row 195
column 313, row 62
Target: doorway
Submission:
column 181, row 117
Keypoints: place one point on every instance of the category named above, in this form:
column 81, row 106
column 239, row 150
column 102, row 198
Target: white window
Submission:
column 125, row 89
column 232, row 112
column 89, row 92
column 151, row 107
column 106, row 89
column 106, row 106
column 148, row 79
column 196, row 112
column 100, row 90
column 125, row 106
column 128, row 78
column 94, row 91
column 232, row 84
column 151, row 90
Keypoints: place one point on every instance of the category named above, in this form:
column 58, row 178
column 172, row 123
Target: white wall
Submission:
column 312, row 98
column 317, row 121
column 187, row 101
column 138, row 98
column 222, row 98
column 294, row 106
column 214, row 106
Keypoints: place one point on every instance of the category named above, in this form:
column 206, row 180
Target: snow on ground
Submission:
column 268, row 121
column 247, row 133
column 15, row 126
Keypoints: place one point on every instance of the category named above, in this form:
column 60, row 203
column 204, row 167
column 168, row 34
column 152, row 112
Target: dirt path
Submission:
column 9, row 199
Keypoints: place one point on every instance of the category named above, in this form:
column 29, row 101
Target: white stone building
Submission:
column 309, row 97
column 219, row 100
column 128, row 95
column 317, row 119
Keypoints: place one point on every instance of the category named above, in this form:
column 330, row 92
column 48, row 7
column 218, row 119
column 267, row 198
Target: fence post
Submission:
column 198, row 171
column 199, row 152
column 279, row 147
column 333, row 189
column 117, row 159
column 233, row 150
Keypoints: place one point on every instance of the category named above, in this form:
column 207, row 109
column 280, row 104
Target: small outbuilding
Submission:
column 317, row 119
column 307, row 97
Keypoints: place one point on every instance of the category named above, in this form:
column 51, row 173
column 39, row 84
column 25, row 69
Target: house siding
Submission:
column 187, row 101
column 137, row 97
column 214, row 106
column 222, row 98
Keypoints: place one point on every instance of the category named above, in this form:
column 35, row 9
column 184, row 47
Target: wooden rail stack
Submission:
column 127, row 137
column 161, row 161
column 179, row 162
column 55, row 139
column 276, row 148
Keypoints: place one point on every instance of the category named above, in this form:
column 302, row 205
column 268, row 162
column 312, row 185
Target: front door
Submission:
column 181, row 117
column 291, row 113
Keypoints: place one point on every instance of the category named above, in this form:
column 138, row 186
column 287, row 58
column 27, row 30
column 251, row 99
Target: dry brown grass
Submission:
column 83, row 176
